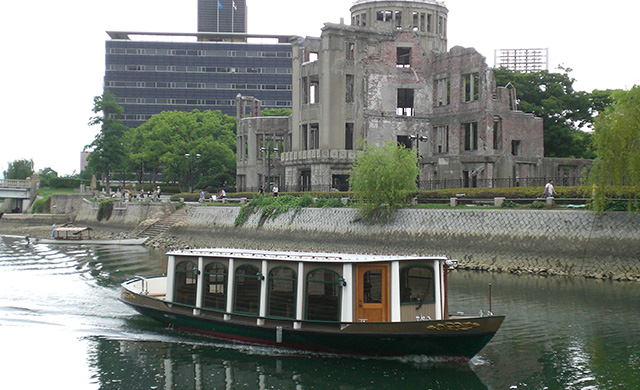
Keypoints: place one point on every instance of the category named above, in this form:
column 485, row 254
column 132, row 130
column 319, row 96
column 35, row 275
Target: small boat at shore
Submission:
column 82, row 235
column 380, row 305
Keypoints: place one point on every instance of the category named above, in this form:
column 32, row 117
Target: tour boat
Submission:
column 82, row 235
column 357, row 304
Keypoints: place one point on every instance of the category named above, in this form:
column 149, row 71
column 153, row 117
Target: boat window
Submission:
column 215, row 290
column 372, row 286
column 282, row 292
column 416, row 284
column 185, row 284
column 323, row 295
column 247, row 289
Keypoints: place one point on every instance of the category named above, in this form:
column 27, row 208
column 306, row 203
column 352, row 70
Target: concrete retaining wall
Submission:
column 540, row 241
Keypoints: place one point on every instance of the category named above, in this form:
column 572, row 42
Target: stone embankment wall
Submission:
column 558, row 242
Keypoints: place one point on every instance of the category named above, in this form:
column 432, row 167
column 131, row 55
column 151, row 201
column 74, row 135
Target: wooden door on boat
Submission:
column 373, row 293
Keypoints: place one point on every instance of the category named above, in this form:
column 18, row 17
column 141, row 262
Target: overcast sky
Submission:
column 53, row 52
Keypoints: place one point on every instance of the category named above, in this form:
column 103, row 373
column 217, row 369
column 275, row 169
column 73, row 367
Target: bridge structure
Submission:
column 20, row 194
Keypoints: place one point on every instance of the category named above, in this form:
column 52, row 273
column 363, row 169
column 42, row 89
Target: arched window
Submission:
column 247, row 289
column 416, row 284
column 215, row 286
column 323, row 295
column 186, row 282
column 282, row 293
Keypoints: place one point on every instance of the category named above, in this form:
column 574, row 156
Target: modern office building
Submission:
column 151, row 72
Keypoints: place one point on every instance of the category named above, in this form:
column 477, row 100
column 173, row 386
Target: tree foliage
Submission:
column 384, row 177
column 565, row 111
column 19, row 169
column 275, row 112
column 617, row 145
column 168, row 137
column 108, row 152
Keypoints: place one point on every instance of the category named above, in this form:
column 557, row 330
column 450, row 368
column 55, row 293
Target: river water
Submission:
column 61, row 326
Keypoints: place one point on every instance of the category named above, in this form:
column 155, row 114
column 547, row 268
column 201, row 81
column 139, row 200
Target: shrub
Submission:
column 105, row 208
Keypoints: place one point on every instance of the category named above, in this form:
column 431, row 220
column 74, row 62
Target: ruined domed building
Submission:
column 390, row 76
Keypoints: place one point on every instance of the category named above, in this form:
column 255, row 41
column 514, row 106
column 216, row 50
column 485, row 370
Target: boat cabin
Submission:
column 306, row 288
column 72, row 233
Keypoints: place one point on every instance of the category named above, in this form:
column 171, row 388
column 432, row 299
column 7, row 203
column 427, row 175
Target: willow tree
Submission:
column 384, row 177
column 616, row 171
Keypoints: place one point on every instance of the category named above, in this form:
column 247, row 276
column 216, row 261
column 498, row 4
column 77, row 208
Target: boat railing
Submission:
column 151, row 286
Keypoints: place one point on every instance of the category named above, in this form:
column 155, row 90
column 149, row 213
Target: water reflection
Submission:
column 558, row 334
column 123, row 364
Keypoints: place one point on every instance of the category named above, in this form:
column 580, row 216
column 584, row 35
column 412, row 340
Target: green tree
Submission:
column 565, row 111
column 275, row 112
column 617, row 146
column 169, row 136
column 384, row 177
column 107, row 149
column 19, row 169
column 46, row 175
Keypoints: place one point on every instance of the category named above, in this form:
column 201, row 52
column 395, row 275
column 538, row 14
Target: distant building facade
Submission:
column 389, row 77
column 151, row 76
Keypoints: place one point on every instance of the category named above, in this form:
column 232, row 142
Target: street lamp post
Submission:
column 418, row 138
column 274, row 150
column 188, row 157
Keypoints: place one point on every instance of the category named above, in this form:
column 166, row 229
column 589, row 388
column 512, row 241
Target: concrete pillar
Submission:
column 498, row 201
column 453, row 202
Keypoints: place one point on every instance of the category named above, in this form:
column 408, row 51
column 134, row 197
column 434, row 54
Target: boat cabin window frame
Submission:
column 410, row 299
column 244, row 291
column 279, row 298
column 186, row 283
column 220, row 298
column 336, row 285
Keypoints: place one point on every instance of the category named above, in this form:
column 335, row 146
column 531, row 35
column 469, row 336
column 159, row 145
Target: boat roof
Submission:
column 298, row 256
column 72, row 229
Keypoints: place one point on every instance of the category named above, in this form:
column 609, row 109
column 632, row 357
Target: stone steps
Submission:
column 159, row 227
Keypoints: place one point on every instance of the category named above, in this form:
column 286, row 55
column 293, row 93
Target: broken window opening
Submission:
column 516, row 147
column 314, row 91
column 443, row 92
column 471, row 136
column 442, row 139
column 349, row 89
column 404, row 140
column 305, row 90
column 313, row 56
column 429, row 26
column 471, row 84
column 405, row 102
column 497, row 133
column 403, row 57
column 304, row 145
column 422, row 22
column 398, row 17
column 415, row 21
column 348, row 136
column 314, row 136
column 384, row 16
column 350, row 51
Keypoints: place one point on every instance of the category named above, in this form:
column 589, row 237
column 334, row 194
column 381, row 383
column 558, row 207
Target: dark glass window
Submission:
column 215, row 286
column 416, row 284
column 323, row 295
column 185, row 283
column 282, row 292
column 247, row 289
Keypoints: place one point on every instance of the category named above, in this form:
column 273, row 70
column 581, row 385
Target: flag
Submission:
column 235, row 7
column 219, row 5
